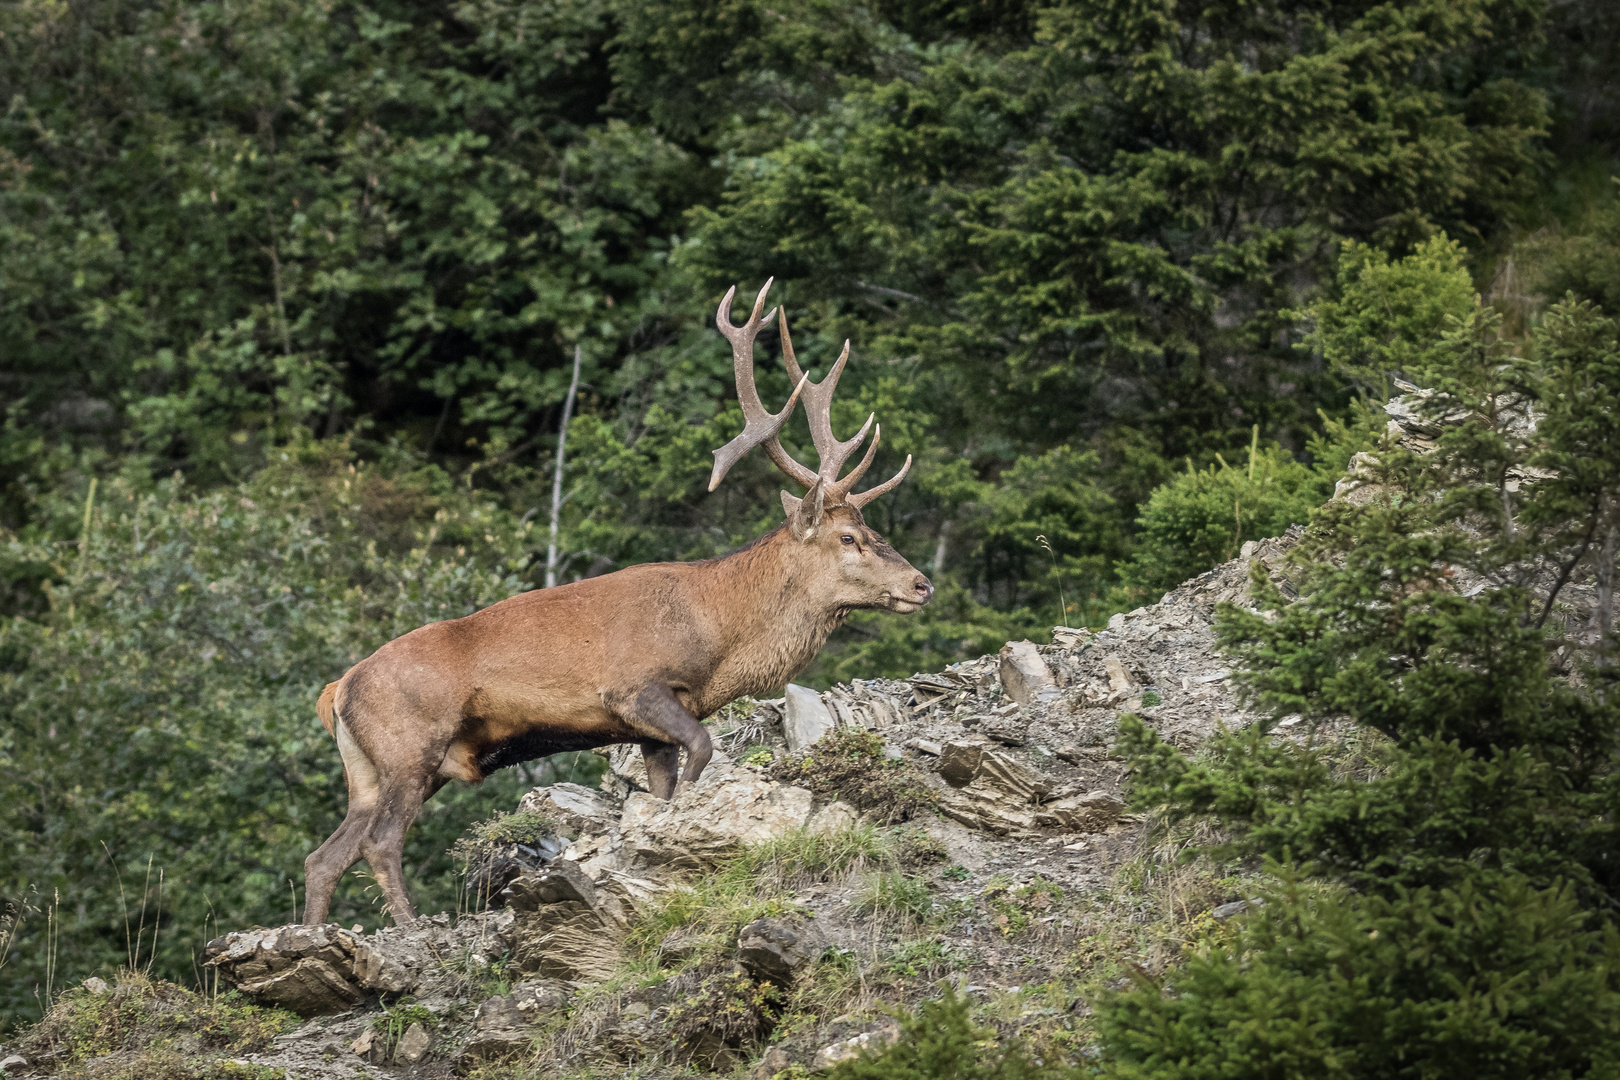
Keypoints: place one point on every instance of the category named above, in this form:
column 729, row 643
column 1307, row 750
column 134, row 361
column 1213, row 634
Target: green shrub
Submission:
column 1472, row 982
column 850, row 764
column 1202, row 517
column 1439, row 907
column 938, row 1041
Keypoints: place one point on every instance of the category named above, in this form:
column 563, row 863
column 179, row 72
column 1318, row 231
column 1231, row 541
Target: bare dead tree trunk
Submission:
column 557, row 474
column 941, row 545
column 1605, row 596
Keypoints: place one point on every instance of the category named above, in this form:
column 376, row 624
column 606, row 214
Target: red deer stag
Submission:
column 638, row 656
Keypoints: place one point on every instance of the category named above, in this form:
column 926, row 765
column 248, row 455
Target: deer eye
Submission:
column 846, row 538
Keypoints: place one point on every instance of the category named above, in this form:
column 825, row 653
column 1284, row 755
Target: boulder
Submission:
column 805, row 719
column 1092, row 812
column 774, row 1060
column 576, row 810
column 375, row 969
column 982, row 806
column 1006, row 726
column 776, row 949
column 836, row 816
column 728, row 806
column 1119, row 680
column 308, row 970
column 504, row 1027
column 566, row 928
column 1023, row 673
column 413, row 1045
column 960, row 764
column 849, row 1049
column 315, row 970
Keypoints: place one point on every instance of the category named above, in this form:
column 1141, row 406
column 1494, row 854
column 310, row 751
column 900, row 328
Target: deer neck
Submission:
column 772, row 621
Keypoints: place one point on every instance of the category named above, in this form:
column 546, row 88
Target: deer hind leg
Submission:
column 658, row 714
column 383, row 844
column 327, row 864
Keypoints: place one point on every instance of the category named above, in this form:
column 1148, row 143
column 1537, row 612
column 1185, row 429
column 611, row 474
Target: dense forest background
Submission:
column 290, row 294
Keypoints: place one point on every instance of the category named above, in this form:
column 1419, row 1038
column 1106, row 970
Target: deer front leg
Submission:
column 658, row 714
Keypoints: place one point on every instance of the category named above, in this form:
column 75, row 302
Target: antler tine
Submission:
column 838, row 490
column 858, row 501
column 818, row 410
column 760, row 424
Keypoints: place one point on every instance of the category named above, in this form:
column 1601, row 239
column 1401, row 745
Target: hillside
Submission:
column 980, row 838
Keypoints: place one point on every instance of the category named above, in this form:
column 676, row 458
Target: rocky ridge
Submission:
column 1015, row 750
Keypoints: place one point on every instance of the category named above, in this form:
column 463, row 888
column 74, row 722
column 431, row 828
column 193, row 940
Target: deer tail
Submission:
column 326, row 708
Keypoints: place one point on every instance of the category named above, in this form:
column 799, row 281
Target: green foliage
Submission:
column 517, row 827
column 1016, row 907
column 187, row 638
column 1474, row 981
column 1069, row 241
column 1437, row 611
column 750, row 885
column 396, row 1019
column 1201, row 517
column 850, row 764
column 1389, row 314
column 889, row 892
column 150, row 1020
column 727, row 1008
column 940, row 1042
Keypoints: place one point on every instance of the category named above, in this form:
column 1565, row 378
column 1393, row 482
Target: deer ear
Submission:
column 803, row 515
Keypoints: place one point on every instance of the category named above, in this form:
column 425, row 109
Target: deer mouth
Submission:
column 905, row 605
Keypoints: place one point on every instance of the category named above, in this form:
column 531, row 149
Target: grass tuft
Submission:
column 147, row 1021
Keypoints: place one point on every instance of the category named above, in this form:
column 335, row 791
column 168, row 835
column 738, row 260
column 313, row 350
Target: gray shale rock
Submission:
column 566, row 928
column 576, row 810
column 805, row 719
column 850, row 1049
column 988, row 809
column 308, row 970
column 1095, row 811
column 413, row 1045
column 1024, row 675
column 728, row 807
column 776, row 949
column 960, row 764
column 319, row 970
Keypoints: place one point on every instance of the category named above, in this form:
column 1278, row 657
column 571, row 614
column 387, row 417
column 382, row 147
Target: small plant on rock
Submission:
column 728, row 1010
column 850, row 764
column 1016, row 908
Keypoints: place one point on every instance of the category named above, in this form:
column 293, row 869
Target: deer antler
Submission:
column 830, row 452
column 764, row 427
column 760, row 425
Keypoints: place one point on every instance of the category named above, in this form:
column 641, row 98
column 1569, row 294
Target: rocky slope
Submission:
column 844, row 850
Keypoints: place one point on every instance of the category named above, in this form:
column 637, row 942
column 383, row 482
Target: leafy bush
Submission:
column 163, row 707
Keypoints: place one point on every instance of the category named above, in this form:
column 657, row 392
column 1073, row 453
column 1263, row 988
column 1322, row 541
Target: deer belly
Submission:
column 473, row 756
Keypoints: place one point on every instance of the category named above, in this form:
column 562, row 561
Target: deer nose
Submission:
column 924, row 587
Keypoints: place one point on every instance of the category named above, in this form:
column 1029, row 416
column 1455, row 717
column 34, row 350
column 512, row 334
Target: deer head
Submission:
column 867, row 572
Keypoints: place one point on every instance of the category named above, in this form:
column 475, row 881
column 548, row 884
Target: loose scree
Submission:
column 636, row 656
